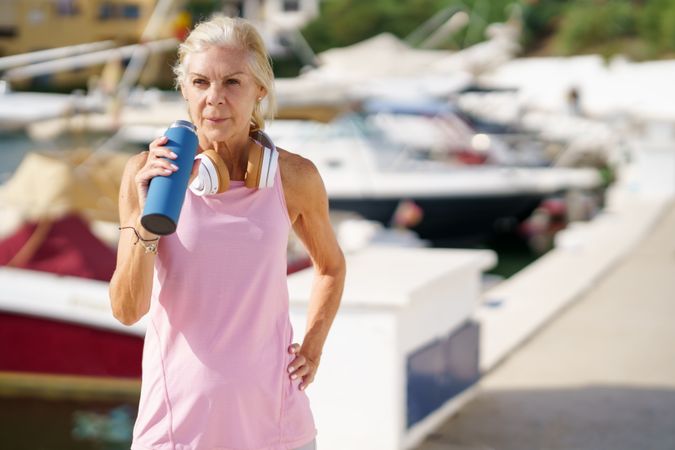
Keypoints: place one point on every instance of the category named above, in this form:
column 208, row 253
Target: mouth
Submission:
column 215, row 119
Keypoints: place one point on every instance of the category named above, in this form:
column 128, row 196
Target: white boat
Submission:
column 20, row 109
column 386, row 67
column 365, row 173
column 440, row 130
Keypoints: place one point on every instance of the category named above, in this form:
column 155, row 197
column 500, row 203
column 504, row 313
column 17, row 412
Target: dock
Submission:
column 600, row 375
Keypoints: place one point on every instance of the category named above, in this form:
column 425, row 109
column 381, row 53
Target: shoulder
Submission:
column 303, row 187
column 297, row 172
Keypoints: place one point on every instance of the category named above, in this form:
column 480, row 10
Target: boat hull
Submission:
column 48, row 357
column 449, row 220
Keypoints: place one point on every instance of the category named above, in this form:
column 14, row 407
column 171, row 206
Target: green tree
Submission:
column 345, row 22
column 657, row 26
column 588, row 23
column 541, row 19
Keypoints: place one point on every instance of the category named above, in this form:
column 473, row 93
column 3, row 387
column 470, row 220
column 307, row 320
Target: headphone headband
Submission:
column 265, row 140
column 270, row 159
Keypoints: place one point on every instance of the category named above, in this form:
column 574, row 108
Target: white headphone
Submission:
column 214, row 178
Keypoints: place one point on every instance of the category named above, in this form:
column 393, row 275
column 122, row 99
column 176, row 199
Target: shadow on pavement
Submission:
column 588, row 418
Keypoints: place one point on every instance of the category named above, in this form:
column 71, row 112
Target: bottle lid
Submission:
column 185, row 124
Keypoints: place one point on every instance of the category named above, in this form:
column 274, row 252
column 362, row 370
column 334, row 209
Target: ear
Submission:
column 262, row 92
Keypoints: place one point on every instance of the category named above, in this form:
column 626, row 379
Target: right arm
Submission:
column 131, row 284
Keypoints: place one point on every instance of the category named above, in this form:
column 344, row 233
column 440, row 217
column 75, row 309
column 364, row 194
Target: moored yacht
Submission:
column 365, row 172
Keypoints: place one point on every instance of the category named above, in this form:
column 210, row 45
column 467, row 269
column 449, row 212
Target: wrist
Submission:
column 149, row 241
column 143, row 233
column 312, row 354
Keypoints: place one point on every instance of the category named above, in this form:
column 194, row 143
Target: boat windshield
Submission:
column 386, row 153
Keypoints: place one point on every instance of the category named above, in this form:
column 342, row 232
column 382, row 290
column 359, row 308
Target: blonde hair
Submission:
column 233, row 32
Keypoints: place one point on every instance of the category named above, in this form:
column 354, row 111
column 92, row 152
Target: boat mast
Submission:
column 23, row 59
column 139, row 56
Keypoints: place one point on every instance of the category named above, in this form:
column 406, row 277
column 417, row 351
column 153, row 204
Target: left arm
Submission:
column 313, row 227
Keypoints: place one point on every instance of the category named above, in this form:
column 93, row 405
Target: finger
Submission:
column 164, row 164
column 298, row 362
column 163, row 152
column 300, row 372
column 155, row 172
column 306, row 382
column 160, row 167
column 294, row 348
column 157, row 149
column 162, row 140
column 147, row 173
column 295, row 365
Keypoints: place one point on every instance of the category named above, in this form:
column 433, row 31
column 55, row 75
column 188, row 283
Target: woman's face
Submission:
column 221, row 93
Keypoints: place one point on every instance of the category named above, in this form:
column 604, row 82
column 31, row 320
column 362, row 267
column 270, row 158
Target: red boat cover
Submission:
column 68, row 248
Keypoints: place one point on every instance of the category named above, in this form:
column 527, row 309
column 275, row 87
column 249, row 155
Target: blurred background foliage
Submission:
column 639, row 29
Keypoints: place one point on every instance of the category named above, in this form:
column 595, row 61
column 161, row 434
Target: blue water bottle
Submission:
column 166, row 193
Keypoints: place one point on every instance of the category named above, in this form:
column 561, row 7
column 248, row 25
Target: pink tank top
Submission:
column 216, row 347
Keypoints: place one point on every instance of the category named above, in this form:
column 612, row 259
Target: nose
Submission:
column 215, row 94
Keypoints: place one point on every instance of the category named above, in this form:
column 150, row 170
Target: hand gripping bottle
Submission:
column 166, row 193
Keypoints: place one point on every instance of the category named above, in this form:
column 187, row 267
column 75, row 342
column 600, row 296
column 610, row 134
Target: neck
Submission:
column 234, row 153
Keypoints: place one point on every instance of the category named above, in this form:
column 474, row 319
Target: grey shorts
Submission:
column 310, row 446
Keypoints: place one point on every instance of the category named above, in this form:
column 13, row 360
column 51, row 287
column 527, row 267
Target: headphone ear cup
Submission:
column 221, row 170
column 254, row 167
column 213, row 176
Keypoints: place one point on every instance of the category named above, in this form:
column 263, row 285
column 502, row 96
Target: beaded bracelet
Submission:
column 150, row 245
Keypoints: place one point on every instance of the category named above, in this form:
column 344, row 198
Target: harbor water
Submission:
column 42, row 424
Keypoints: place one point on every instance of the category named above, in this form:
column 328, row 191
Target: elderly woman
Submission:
column 220, row 369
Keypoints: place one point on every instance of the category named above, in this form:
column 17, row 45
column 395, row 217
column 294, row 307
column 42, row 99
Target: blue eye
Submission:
column 198, row 81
